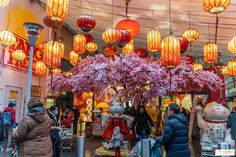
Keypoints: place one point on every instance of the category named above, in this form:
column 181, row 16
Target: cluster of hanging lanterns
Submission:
column 18, row 55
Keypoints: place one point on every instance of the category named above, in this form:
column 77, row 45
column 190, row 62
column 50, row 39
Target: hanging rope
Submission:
column 189, row 26
column 209, row 32
column 112, row 13
column 170, row 24
column 216, row 33
column 126, row 9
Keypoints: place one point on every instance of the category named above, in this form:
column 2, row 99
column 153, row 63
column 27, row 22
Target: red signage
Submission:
column 22, row 44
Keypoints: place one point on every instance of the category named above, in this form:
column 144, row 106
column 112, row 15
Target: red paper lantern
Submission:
column 86, row 23
column 130, row 25
column 52, row 24
column 125, row 38
column 141, row 52
column 110, row 50
column 183, row 44
column 189, row 59
column 89, row 38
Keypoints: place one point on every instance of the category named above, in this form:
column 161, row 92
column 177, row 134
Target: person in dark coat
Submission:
column 142, row 123
column 75, row 121
column 54, row 133
column 186, row 113
column 231, row 123
column 175, row 135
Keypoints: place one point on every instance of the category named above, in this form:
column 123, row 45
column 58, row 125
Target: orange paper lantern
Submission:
column 79, row 44
column 224, row 70
column 232, row 45
column 232, row 68
column 18, row 55
column 130, row 25
column 52, row 52
column 40, row 68
column 210, row 52
column 57, row 10
column 128, row 48
column 154, row 40
column 215, row 6
column 191, row 35
column 56, row 71
column 170, row 52
column 74, row 58
column 110, row 50
column 111, row 36
column 197, row 67
column 91, row 47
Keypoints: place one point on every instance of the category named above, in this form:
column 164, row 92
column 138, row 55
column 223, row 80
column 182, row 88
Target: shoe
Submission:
column 9, row 149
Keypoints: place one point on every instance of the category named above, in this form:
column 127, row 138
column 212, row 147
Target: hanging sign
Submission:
column 22, row 44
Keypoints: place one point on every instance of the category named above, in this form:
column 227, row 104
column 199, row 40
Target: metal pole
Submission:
column 145, row 148
column 80, row 146
column 29, row 78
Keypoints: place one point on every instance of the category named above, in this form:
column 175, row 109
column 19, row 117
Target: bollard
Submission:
column 80, row 146
column 145, row 148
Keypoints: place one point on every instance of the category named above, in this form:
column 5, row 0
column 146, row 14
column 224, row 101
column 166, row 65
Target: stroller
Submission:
column 66, row 138
column 155, row 149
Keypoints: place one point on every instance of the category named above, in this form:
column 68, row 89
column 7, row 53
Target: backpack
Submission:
column 7, row 119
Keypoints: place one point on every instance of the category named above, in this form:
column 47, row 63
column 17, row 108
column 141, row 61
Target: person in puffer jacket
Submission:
column 175, row 135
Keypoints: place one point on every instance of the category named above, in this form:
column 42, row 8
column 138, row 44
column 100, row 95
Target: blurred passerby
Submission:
column 76, row 119
column 9, row 122
column 186, row 113
column 231, row 123
column 175, row 135
column 33, row 132
column 142, row 123
column 54, row 133
column 67, row 118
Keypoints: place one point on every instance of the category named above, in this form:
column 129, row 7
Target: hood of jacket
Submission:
column 7, row 109
column 38, row 114
column 180, row 117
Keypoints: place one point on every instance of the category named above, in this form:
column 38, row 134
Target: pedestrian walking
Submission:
column 33, row 132
column 8, row 123
column 175, row 135
column 231, row 123
column 76, row 119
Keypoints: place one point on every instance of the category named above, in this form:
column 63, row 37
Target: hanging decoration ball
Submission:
column 232, row 68
column 88, row 37
column 125, row 38
column 86, row 23
column 197, row 67
column 191, row 35
column 18, row 55
column 51, row 56
column 57, row 10
column 110, row 50
column 224, row 70
column 79, row 44
column 210, row 52
column 7, row 39
column 111, row 36
column 4, row 3
column 56, row 71
column 141, row 52
column 52, row 24
column 91, row 47
column 128, row 48
column 232, row 45
column 74, row 58
column 170, row 52
column 215, row 6
column 183, row 44
column 154, row 40
column 40, row 68
column 130, row 25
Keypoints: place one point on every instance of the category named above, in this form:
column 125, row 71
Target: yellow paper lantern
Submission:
column 191, row 35
column 210, row 52
column 57, row 10
column 18, row 55
column 232, row 68
column 52, row 54
column 68, row 74
column 170, row 52
column 40, row 68
column 91, row 47
column 7, row 38
column 232, row 45
column 224, row 70
column 79, row 44
column 56, row 71
column 74, row 58
column 62, row 49
column 128, row 48
column 4, row 3
column 197, row 67
column 111, row 36
column 215, row 6
column 154, row 40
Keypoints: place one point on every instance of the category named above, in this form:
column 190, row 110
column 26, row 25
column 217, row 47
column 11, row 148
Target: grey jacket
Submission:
column 231, row 123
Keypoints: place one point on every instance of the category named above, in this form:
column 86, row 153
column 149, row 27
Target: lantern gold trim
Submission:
column 154, row 40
